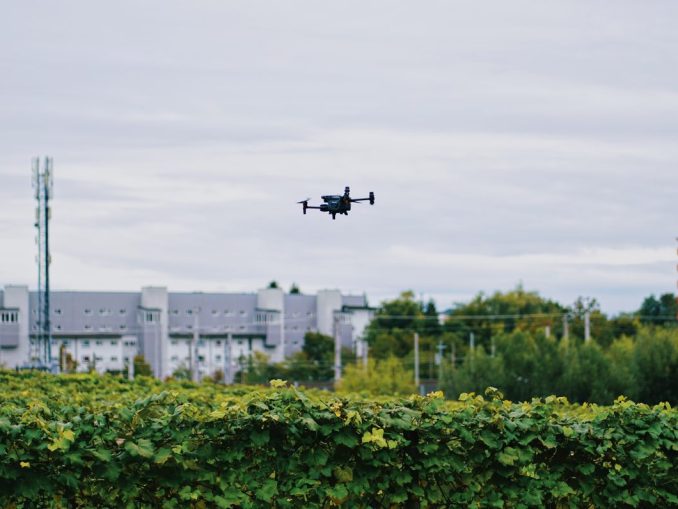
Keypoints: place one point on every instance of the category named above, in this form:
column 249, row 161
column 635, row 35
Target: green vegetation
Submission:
column 381, row 378
column 90, row 441
column 528, row 346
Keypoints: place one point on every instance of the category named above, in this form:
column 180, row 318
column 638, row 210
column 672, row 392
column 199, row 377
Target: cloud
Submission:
column 505, row 142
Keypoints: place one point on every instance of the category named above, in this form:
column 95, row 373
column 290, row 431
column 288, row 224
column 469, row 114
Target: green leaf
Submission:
column 268, row 490
column 143, row 448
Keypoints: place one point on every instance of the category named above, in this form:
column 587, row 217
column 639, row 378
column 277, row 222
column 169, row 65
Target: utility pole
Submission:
column 365, row 353
column 471, row 341
column 195, row 376
column 416, row 360
column 229, row 358
column 441, row 349
column 547, row 331
column 43, row 183
column 566, row 328
column 587, row 326
column 337, row 351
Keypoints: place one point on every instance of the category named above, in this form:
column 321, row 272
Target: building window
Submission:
column 174, row 358
column 65, row 342
column 174, row 342
column 123, row 327
column 88, row 327
column 85, row 358
column 58, row 327
column 85, row 342
column 150, row 317
column 9, row 317
column 243, row 312
column 201, row 358
column 217, row 357
column 218, row 342
column 114, row 343
column 123, row 311
column 175, row 311
column 201, row 343
column 189, row 311
column 57, row 311
column 104, row 312
column 215, row 312
column 99, row 342
column 114, row 359
column 88, row 311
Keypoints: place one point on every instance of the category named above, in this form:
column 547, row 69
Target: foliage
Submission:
column 273, row 284
column 658, row 311
column 183, row 372
column 294, row 289
column 526, row 365
column 488, row 316
column 89, row 441
column 382, row 377
column 141, row 367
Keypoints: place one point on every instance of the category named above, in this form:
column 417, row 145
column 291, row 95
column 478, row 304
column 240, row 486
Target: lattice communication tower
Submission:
column 43, row 183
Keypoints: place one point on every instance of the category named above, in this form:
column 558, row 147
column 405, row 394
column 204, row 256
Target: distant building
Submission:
column 105, row 330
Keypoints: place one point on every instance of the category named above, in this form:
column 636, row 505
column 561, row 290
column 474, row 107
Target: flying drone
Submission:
column 336, row 203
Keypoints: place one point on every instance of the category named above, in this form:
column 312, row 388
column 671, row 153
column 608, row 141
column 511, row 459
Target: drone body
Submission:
column 336, row 203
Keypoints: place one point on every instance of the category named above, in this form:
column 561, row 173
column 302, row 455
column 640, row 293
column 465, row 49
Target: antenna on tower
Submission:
column 43, row 184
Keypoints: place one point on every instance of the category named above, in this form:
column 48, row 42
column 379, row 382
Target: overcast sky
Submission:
column 506, row 142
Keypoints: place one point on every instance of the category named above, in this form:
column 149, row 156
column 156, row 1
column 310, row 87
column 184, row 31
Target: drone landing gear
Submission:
column 334, row 216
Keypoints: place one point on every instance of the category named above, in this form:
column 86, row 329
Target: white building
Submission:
column 209, row 331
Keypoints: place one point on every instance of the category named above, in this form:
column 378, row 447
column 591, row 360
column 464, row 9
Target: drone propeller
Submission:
column 304, row 201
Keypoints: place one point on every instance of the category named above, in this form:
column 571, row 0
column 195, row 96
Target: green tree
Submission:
column 182, row 372
column 659, row 311
column 385, row 377
column 587, row 373
column 141, row 367
column 294, row 289
column 273, row 284
column 504, row 312
column 477, row 372
column 655, row 365
column 391, row 332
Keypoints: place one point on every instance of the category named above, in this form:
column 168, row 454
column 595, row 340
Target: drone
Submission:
column 336, row 203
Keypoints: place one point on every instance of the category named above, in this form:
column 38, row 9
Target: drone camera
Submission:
column 371, row 198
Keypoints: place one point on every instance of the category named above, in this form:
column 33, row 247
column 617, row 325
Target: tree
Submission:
column 294, row 289
column 273, row 284
column 504, row 312
column 478, row 371
column 659, row 311
column 655, row 365
column 387, row 377
column 141, row 367
column 586, row 374
column 395, row 322
column 182, row 372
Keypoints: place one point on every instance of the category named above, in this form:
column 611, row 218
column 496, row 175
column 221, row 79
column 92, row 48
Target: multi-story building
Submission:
column 207, row 332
